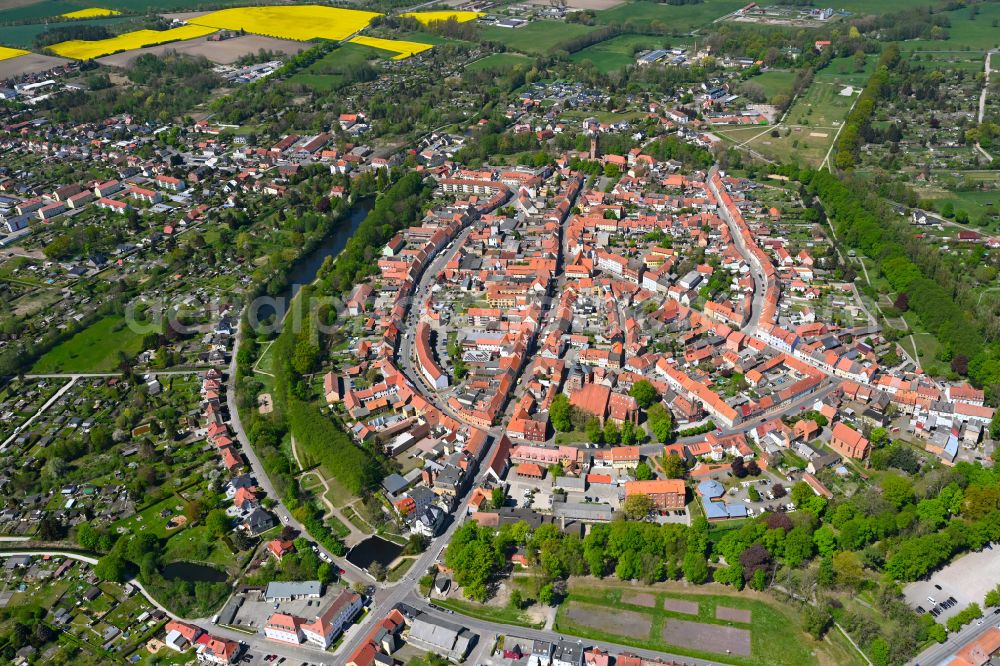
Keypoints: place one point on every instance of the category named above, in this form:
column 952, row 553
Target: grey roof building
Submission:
column 284, row 590
column 449, row 639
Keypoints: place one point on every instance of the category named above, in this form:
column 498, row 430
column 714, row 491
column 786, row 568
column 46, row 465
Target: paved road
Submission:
column 759, row 281
column 421, row 293
column 939, row 655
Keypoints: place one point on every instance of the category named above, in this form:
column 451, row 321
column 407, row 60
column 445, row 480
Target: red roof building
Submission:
column 849, row 442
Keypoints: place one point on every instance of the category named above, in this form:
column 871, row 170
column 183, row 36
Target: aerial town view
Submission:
column 499, row 332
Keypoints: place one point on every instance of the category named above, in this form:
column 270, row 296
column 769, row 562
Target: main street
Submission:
column 756, row 270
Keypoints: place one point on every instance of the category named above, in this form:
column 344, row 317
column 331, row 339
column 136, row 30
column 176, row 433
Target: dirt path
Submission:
column 355, row 536
column 255, row 369
column 982, row 102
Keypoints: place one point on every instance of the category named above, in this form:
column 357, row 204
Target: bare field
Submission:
column 584, row 4
column 733, row 614
column 182, row 16
column 696, row 636
column 639, row 599
column 29, row 63
column 610, row 620
column 225, row 52
column 681, row 606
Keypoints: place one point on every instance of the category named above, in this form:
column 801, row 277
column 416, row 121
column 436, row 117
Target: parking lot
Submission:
column 741, row 493
column 967, row 580
column 541, row 500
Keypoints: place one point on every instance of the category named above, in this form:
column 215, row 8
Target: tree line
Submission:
column 887, row 534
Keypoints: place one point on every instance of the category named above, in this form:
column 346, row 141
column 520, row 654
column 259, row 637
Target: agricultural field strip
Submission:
column 402, row 49
column 79, row 49
column 6, row 53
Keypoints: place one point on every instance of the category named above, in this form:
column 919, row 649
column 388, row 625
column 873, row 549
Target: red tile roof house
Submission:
column 214, row 650
column 181, row 635
column 849, row 442
column 280, row 548
column 382, row 640
column 805, row 429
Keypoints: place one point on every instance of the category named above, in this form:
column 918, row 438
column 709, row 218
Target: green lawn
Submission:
column 976, row 204
column 400, row 570
column 617, row 52
column 328, row 73
column 94, row 349
column 678, row 18
column 775, row 82
column 777, row 637
column 489, row 613
column 536, row 37
column 500, row 61
column 964, row 34
column 197, row 544
column 842, row 72
column 149, row 520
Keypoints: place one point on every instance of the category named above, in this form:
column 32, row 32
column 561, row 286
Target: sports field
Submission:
column 811, row 125
column 537, row 37
column 7, row 53
column 300, row 22
column 90, row 12
column 712, row 623
column 79, row 49
column 430, row 17
column 402, row 49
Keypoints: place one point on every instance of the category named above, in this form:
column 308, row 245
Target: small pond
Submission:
column 373, row 549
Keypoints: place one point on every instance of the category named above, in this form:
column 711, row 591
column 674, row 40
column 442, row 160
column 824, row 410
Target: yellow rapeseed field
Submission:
column 402, row 49
column 298, row 22
column 90, row 12
column 6, row 53
column 79, row 49
column 429, row 17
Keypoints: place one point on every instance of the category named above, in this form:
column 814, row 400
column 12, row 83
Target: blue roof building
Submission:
column 710, row 491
